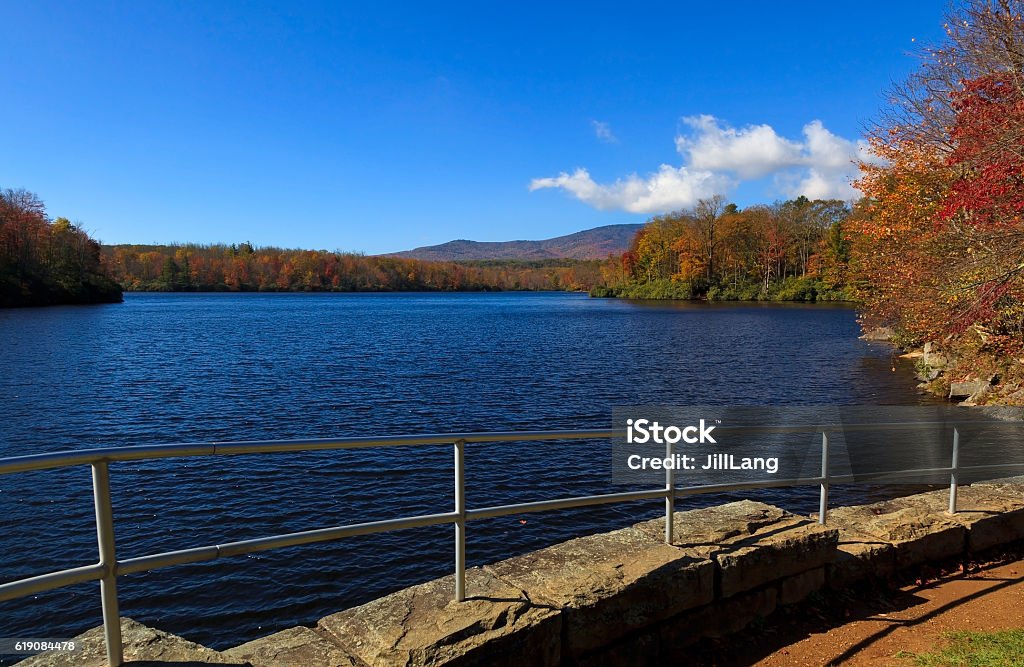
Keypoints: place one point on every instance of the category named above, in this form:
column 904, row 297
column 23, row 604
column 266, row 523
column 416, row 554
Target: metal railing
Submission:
column 109, row 567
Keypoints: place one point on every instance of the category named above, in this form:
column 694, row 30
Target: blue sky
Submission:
column 383, row 126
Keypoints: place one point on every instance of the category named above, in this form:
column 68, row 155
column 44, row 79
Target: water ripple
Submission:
column 176, row 368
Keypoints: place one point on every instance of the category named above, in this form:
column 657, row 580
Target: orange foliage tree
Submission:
column 44, row 261
column 938, row 243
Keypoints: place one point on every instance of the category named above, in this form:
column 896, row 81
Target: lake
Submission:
column 166, row 368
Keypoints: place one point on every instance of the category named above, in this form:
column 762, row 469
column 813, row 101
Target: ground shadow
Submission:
column 828, row 610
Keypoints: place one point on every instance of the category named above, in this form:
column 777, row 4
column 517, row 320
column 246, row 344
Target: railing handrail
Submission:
column 74, row 457
column 109, row 567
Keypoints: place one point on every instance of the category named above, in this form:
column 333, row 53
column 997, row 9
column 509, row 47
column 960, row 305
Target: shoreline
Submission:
column 965, row 377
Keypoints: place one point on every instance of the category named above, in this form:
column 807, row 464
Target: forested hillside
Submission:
column 597, row 243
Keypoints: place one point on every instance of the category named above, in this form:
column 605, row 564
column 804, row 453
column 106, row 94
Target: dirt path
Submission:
column 990, row 599
column 869, row 630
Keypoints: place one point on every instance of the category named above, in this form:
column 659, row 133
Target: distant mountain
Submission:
column 595, row 243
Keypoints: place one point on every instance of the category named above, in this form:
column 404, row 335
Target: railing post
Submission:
column 823, row 500
column 460, row 522
column 670, row 492
column 108, row 559
column 953, row 481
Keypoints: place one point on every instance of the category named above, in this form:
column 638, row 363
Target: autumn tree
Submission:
column 705, row 219
column 939, row 244
column 45, row 262
column 654, row 256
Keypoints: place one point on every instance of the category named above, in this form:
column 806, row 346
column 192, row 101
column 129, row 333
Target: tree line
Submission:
column 244, row 267
column 791, row 250
column 44, row 261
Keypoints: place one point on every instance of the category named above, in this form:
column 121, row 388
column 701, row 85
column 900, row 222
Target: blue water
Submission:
column 195, row 367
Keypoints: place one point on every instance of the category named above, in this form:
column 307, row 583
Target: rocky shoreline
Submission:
column 965, row 377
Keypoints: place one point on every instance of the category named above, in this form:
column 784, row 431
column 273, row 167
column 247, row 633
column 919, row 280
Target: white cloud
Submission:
column 816, row 185
column 717, row 157
column 603, row 131
column 821, row 165
column 667, row 189
column 751, row 152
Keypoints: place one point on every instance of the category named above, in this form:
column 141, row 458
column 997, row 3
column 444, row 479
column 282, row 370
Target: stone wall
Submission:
column 625, row 597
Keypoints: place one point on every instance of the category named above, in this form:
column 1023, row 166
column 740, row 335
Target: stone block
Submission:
column 917, row 532
column 799, row 586
column 961, row 390
column 294, row 647
column 610, row 584
column 422, row 625
column 992, row 514
column 752, row 543
column 667, row 642
column 727, row 617
column 859, row 557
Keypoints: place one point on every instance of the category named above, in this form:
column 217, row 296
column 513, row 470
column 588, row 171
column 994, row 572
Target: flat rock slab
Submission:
column 916, row 529
column 751, row 543
column 610, row 584
column 712, row 527
column 423, row 625
column 294, row 647
column 1009, row 490
column 143, row 645
column 992, row 514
